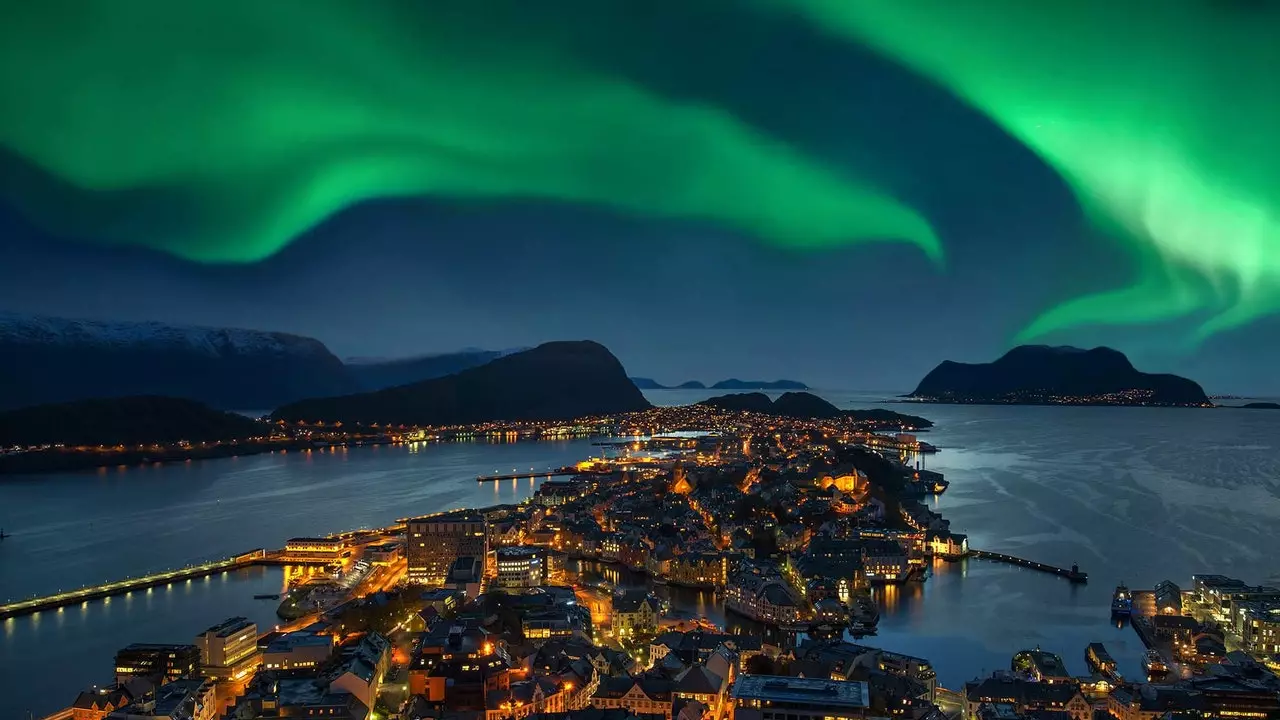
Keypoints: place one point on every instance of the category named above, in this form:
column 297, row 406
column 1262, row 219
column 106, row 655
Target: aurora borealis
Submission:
column 268, row 117
column 1080, row 172
column 1158, row 119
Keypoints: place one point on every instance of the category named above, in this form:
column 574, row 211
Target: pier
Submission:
column 128, row 585
column 1073, row 573
column 549, row 472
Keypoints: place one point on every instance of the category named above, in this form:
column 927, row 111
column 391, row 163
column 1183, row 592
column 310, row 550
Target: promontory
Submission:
column 1045, row 375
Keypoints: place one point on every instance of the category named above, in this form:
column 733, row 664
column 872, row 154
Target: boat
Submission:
column 858, row 629
column 267, row 596
column 1154, row 664
column 1121, row 601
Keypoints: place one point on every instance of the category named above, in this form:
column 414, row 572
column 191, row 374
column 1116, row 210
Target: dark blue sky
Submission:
column 675, row 300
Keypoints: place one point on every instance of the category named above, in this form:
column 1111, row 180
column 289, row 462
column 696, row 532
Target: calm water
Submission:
column 1131, row 494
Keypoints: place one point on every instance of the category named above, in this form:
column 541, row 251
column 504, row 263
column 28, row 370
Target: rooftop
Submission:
column 230, row 626
column 817, row 691
column 449, row 517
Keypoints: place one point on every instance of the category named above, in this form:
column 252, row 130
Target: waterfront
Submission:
column 1121, row 491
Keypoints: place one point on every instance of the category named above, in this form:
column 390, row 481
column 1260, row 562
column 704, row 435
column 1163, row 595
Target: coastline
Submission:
column 42, row 462
column 1045, row 403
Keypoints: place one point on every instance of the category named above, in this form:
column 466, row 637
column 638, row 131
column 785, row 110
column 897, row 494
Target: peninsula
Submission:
column 807, row 406
column 1044, row 375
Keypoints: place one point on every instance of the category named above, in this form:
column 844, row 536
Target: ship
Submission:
column 1154, row 664
column 1121, row 601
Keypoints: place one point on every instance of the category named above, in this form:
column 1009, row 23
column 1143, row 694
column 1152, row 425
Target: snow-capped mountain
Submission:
column 51, row 359
column 44, row 330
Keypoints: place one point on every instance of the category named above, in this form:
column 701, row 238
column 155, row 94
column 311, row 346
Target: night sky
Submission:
column 843, row 192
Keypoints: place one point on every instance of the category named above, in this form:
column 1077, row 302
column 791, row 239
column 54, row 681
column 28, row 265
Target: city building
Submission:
column 435, row 543
column 458, row 664
column 1168, row 598
column 635, row 613
column 843, row 659
column 96, row 703
column 229, row 650
column 179, row 700
column 314, row 549
column 158, row 663
column 271, row 695
column 884, row 561
column 701, row 570
column 362, row 664
column 644, row 695
column 761, row 597
column 771, row 697
column 1025, row 696
column 383, row 553
column 1259, row 628
column 521, row 567
column 296, row 650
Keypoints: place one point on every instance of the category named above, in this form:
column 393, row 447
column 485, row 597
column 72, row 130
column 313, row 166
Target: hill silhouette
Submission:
column 1039, row 374
column 554, row 381
column 136, row 420
column 804, row 405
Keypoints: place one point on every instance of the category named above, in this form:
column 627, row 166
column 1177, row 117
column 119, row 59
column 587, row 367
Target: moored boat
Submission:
column 1122, row 601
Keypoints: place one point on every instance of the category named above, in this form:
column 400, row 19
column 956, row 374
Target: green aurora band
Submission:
column 260, row 118
column 1161, row 116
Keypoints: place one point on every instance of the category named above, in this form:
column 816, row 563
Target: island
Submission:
column 645, row 383
column 554, row 381
column 1045, row 375
column 807, row 406
column 736, row 384
column 1259, row 406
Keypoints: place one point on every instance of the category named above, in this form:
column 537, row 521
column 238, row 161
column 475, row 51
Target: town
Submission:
column 547, row 609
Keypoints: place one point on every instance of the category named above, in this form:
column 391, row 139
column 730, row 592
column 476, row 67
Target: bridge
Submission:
column 128, row 585
column 1073, row 573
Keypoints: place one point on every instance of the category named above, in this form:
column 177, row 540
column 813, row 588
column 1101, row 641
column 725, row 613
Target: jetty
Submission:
column 549, row 472
column 1073, row 573
column 258, row 556
column 128, row 585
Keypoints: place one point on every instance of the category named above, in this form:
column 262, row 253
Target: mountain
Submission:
column 1039, row 374
column 736, row 384
column 1259, row 406
column 803, row 405
column 742, row 402
column 138, row 420
column 554, row 381
column 376, row 374
column 650, row 384
column 48, row 359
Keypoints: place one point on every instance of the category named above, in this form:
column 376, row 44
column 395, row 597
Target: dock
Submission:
column 549, row 472
column 1073, row 573
column 128, row 585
